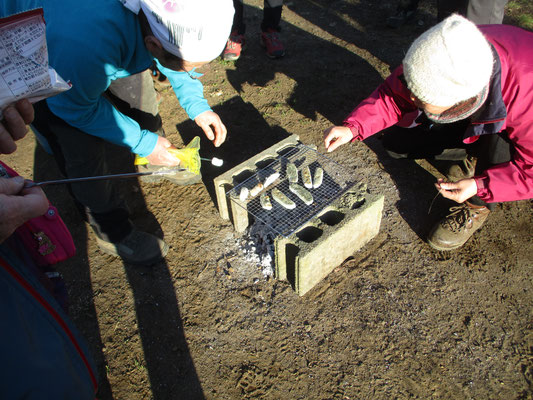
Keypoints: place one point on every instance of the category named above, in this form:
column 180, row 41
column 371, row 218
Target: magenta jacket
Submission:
column 509, row 107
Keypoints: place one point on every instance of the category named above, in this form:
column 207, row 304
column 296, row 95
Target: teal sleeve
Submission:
column 189, row 91
column 103, row 120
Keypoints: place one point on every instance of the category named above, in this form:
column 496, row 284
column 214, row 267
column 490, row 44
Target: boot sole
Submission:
column 104, row 247
column 437, row 247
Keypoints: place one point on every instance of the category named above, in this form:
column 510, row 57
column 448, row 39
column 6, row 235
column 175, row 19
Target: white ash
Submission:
column 258, row 247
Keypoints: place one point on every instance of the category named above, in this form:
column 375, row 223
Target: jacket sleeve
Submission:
column 189, row 91
column 512, row 180
column 386, row 106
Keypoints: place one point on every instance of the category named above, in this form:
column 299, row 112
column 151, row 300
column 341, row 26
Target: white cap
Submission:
column 449, row 63
column 193, row 30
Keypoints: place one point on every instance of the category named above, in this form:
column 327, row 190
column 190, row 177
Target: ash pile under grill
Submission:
column 258, row 247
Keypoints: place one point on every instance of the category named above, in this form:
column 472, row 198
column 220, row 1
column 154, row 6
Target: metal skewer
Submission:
column 29, row 184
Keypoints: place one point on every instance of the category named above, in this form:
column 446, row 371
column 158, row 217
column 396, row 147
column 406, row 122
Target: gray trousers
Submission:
column 477, row 11
column 79, row 154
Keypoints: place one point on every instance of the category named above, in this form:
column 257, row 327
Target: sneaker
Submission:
column 138, row 248
column 400, row 18
column 464, row 170
column 454, row 230
column 234, row 46
column 180, row 177
column 271, row 41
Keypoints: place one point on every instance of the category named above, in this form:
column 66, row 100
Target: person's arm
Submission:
column 386, row 106
column 190, row 93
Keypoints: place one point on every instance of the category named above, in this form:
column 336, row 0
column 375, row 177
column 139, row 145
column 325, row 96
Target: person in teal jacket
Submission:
column 104, row 49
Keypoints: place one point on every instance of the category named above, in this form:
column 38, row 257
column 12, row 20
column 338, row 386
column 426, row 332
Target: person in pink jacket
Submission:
column 463, row 91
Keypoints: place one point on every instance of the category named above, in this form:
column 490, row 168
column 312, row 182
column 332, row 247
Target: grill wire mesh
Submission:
column 337, row 180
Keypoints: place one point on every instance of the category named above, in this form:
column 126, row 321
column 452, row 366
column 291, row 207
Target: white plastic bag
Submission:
column 24, row 69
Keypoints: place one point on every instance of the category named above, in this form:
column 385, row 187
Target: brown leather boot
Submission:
column 454, row 230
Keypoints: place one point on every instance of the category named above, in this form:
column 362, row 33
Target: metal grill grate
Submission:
column 337, row 180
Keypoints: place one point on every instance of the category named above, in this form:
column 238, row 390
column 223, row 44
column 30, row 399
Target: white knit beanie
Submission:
column 193, row 30
column 449, row 63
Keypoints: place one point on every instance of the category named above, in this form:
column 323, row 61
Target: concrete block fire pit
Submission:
column 310, row 239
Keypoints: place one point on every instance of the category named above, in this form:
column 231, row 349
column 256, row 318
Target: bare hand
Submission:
column 13, row 126
column 160, row 155
column 459, row 191
column 17, row 205
column 209, row 120
column 336, row 136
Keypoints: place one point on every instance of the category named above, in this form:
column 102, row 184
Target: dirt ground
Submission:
column 396, row 320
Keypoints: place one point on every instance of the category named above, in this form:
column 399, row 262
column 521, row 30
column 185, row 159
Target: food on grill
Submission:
column 302, row 193
column 282, row 199
column 265, row 201
column 306, row 177
column 318, row 177
column 244, row 194
column 256, row 189
column 292, row 173
column 270, row 179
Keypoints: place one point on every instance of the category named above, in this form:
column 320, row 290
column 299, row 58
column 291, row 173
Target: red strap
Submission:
column 54, row 314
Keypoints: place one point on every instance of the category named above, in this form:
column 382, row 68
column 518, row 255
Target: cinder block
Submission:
column 231, row 178
column 310, row 254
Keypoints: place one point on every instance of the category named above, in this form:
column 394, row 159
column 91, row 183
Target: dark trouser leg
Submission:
column 445, row 8
column 135, row 96
column 271, row 15
column 238, row 18
column 444, row 142
column 77, row 155
column 408, row 5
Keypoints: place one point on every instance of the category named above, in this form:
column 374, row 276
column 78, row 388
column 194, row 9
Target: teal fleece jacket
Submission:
column 91, row 44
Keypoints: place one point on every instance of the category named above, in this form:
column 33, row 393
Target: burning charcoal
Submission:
column 318, row 177
column 265, row 201
column 302, row 193
column 292, row 173
column 306, row 177
column 282, row 199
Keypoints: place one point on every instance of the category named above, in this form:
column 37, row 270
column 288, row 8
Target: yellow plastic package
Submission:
column 189, row 156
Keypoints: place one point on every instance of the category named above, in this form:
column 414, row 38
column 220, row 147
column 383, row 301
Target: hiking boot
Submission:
column 234, row 46
column 454, row 230
column 464, row 170
column 138, row 248
column 400, row 18
column 271, row 41
column 180, row 177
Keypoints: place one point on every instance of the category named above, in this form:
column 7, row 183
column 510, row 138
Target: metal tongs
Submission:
column 29, row 184
column 217, row 162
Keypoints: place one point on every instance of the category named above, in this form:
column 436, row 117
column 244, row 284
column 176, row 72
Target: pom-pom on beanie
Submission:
column 449, row 63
